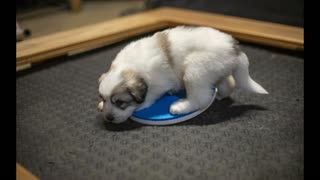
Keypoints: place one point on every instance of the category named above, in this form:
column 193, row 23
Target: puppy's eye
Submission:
column 121, row 104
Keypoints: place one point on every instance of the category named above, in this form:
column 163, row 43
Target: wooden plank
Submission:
column 23, row 174
column 261, row 32
column 22, row 67
column 97, row 42
column 61, row 43
column 75, row 5
column 105, row 33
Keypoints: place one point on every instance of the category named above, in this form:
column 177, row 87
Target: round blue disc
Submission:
column 159, row 114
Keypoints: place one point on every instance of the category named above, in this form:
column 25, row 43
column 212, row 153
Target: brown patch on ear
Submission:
column 121, row 94
column 136, row 85
column 129, row 74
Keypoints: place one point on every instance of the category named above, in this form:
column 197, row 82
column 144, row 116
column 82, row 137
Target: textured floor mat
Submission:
column 60, row 134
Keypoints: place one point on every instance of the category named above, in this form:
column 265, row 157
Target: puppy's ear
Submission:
column 138, row 90
column 102, row 77
column 136, row 86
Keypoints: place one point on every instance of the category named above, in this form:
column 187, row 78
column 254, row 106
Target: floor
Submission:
column 242, row 137
column 246, row 136
column 55, row 19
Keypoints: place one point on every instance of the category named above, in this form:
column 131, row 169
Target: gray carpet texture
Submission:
column 61, row 136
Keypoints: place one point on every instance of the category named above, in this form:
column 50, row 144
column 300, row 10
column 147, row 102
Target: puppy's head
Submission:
column 121, row 92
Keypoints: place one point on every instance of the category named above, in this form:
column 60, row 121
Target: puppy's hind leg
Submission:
column 225, row 87
column 242, row 77
column 199, row 93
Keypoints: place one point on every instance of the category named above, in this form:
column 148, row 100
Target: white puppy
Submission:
column 194, row 58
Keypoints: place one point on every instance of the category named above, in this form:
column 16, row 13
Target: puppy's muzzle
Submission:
column 109, row 117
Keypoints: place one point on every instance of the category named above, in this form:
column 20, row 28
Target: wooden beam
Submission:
column 105, row 33
column 23, row 174
column 250, row 30
column 75, row 5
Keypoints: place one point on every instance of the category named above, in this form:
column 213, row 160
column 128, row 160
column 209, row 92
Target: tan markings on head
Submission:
column 113, row 66
column 129, row 75
column 164, row 44
column 120, row 92
column 136, row 85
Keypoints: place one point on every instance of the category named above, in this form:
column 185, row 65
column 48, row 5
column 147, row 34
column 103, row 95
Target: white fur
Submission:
column 201, row 56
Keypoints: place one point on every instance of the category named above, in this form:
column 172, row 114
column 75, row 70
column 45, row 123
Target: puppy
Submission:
column 193, row 58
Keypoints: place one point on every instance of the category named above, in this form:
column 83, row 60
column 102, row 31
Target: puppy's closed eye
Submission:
column 121, row 104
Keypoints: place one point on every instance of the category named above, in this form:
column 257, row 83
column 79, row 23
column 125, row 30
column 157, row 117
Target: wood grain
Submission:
column 242, row 28
column 105, row 33
column 75, row 5
column 23, row 174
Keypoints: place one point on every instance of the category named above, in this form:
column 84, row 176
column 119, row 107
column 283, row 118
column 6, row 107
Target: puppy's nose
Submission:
column 110, row 117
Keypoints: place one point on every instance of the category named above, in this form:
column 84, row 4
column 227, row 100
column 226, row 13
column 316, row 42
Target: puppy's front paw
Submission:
column 220, row 97
column 100, row 106
column 182, row 106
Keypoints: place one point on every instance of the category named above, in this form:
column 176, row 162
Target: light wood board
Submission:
column 106, row 33
column 23, row 174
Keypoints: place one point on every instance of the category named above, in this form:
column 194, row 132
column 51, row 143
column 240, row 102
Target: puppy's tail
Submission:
column 242, row 77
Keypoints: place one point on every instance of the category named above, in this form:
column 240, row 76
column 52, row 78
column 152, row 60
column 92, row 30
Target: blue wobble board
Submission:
column 159, row 114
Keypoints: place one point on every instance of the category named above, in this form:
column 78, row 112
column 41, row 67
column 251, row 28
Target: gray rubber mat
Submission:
column 60, row 134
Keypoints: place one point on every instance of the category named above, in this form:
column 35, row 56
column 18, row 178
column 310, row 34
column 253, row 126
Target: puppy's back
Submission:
column 198, row 38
